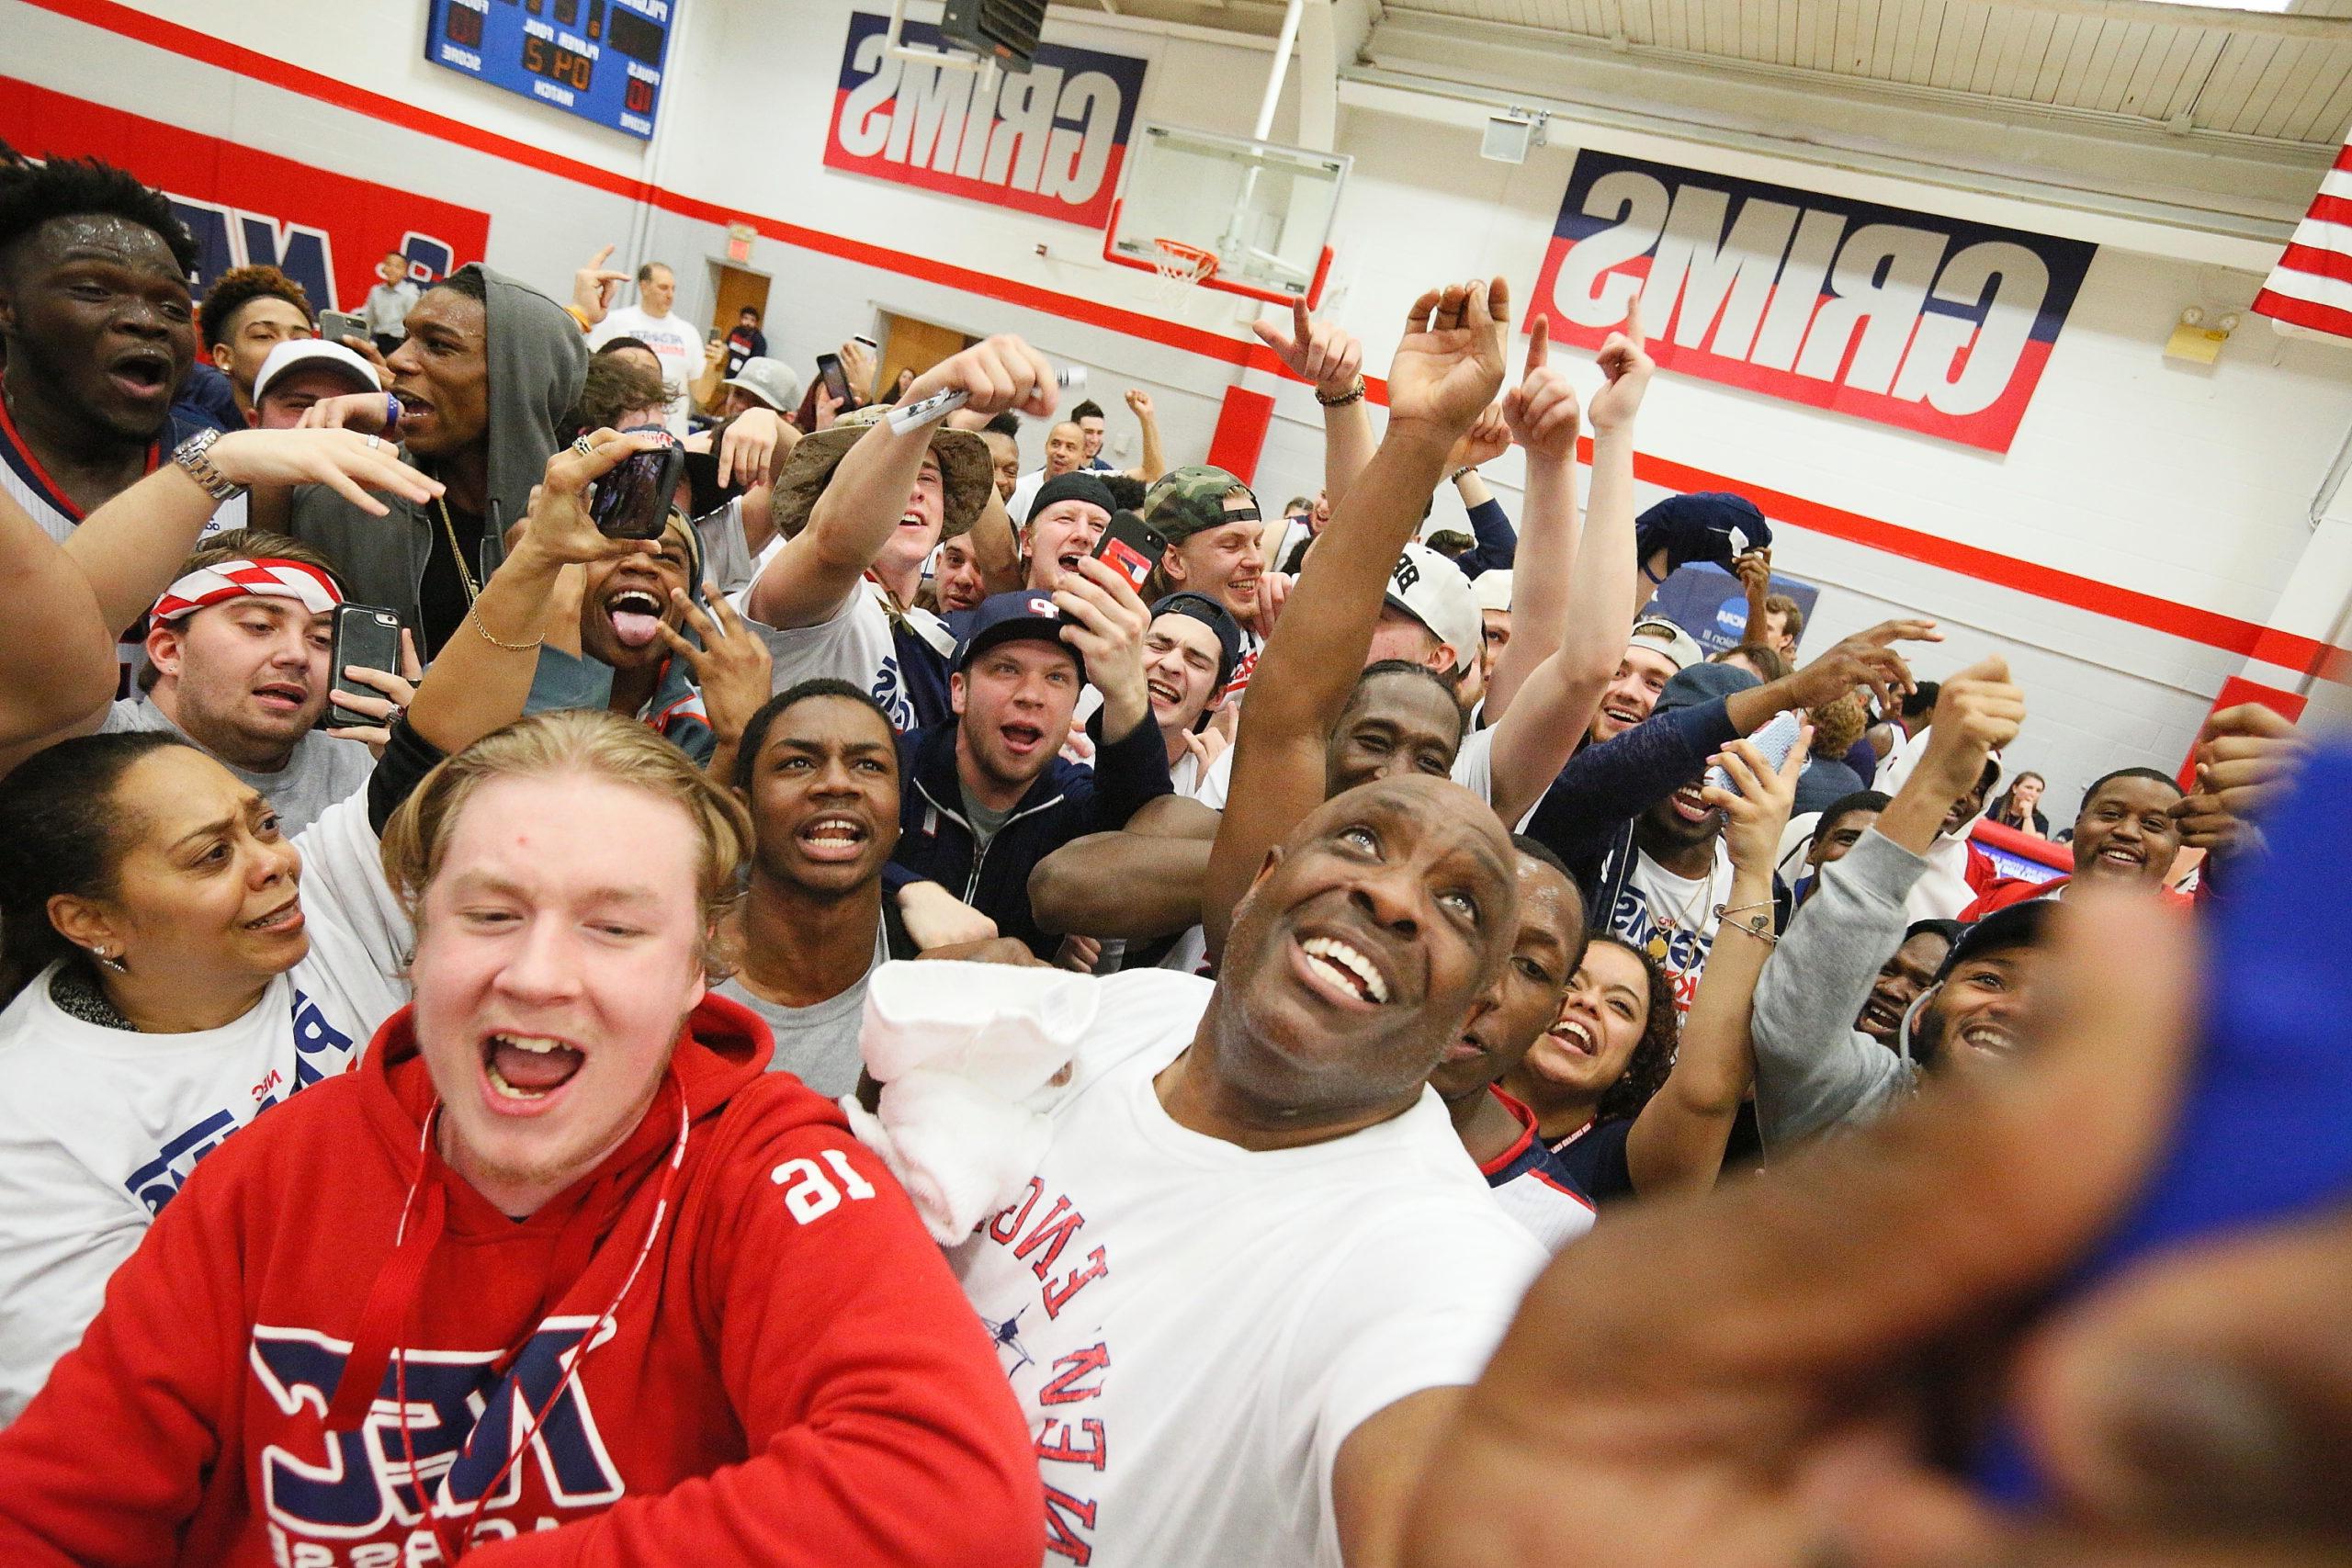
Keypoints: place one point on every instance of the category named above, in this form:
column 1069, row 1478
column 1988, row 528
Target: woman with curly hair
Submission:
column 1632, row 1106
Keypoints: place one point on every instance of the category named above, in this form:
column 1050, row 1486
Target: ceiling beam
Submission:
column 2211, row 18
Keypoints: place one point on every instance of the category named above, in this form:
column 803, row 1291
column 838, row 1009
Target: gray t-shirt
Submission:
column 985, row 821
column 817, row 1044
column 323, row 771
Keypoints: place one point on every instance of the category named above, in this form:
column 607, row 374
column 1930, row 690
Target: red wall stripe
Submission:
column 2210, row 627
column 1241, row 426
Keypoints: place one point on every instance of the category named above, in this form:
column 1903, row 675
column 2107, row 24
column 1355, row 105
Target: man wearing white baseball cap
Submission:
column 304, row 370
column 1428, row 616
column 762, row 383
column 1491, row 590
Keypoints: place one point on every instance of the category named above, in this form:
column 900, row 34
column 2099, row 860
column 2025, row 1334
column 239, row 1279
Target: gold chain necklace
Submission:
column 457, row 554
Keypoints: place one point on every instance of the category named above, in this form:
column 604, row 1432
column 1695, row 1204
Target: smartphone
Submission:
column 1129, row 547
column 632, row 501
column 367, row 636
column 336, row 325
column 702, row 478
column 828, row 370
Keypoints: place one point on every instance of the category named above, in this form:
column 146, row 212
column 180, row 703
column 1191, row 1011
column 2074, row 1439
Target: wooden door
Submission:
column 912, row 344
column 738, row 289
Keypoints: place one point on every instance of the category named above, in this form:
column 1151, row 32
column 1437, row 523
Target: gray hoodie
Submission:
column 537, row 358
column 1813, row 1068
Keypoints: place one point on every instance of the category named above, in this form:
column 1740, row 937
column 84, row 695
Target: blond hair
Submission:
column 1837, row 724
column 591, row 742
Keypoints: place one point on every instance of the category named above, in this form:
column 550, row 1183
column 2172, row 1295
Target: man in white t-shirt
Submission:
column 675, row 340
column 1254, row 1266
column 1065, row 453
column 858, row 510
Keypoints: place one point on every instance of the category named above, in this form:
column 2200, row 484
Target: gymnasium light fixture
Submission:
column 1511, row 133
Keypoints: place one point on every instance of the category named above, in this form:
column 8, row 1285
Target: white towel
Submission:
column 969, row 1057
column 998, row 1027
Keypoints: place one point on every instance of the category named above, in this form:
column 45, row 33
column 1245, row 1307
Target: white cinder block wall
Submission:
column 2188, row 484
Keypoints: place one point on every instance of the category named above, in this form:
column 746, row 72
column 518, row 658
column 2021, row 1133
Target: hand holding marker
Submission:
column 939, row 405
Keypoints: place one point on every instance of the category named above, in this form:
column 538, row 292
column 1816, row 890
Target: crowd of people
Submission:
column 888, row 1022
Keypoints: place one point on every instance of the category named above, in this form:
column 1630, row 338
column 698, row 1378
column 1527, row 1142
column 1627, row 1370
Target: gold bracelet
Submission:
column 473, row 613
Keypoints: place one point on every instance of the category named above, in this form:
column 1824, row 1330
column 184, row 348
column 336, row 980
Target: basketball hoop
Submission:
column 1181, row 266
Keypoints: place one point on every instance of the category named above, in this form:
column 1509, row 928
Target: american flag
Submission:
column 2312, row 284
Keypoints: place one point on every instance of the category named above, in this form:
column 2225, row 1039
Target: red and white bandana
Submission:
column 270, row 578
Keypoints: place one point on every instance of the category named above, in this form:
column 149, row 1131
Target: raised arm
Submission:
column 1754, row 571
column 57, row 664
column 1676, row 1145
column 129, row 547
column 1538, row 732
column 1497, row 541
column 1139, row 883
column 1447, row 368
column 126, row 553
column 1812, row 1069
column 1866, row 659
column 480, row 680
column 997, row 547
column 867, row 495
column 1155, row 459
column 1329, row 359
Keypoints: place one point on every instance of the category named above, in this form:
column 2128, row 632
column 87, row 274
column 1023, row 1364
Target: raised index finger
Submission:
column 1539, row 342
column 1632, row 326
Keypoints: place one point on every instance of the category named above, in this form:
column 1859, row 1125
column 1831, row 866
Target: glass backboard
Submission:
column 1264, row 210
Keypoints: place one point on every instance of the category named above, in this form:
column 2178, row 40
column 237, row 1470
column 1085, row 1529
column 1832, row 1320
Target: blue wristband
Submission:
column 391, row 414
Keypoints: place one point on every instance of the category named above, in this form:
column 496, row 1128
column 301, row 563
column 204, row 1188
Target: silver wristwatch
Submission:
column 195, row 454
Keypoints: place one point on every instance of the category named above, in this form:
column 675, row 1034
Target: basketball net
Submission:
column 1180, row 269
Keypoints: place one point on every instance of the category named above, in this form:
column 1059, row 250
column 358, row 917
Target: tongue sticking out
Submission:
column 534, row 1072
column 635, row 627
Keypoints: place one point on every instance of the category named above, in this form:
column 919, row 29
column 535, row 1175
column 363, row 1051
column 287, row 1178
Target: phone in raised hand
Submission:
column 367, row 636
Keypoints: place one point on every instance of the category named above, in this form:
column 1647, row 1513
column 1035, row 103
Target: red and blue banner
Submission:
column 1048, row 142
column 1927, row 323
column 324, row 230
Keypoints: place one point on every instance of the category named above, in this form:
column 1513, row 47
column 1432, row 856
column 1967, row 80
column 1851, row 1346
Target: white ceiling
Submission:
column 2243, row 78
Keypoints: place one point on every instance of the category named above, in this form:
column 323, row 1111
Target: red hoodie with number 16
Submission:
column 328, row 1327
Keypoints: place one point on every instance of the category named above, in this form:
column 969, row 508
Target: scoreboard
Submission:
column 601, row 59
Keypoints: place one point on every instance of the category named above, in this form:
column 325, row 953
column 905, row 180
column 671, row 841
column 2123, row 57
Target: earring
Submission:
column 110, row 960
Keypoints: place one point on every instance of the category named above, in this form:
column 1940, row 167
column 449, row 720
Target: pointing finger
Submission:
column 1539, row 342
column 1632, row 327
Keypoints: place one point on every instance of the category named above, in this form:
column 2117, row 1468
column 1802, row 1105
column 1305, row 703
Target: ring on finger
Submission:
column 582, row 446
column 374, row 441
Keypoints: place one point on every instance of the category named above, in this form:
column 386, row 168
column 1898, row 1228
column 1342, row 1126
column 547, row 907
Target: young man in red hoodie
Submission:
column 559, row 1274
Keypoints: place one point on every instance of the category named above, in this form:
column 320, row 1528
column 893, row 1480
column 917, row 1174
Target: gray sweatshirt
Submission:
column 1813, row 1068
column 536, row 361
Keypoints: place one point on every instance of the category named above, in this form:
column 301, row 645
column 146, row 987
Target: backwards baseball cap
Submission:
column 1215, row 616
column 301, row 351
column 1707, row 525
column 1492, row 590
column 1187, row 500
column 1075, row 486
column 770, row 381
column 2020, row 925
column 1000, row 617
column 1431, row 588
column 1676, row 643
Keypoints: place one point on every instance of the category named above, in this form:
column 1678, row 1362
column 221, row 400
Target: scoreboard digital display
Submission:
column 601, row 59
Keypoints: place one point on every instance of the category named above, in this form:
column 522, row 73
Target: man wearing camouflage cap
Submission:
column 861, row 508
column 1209, row 523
